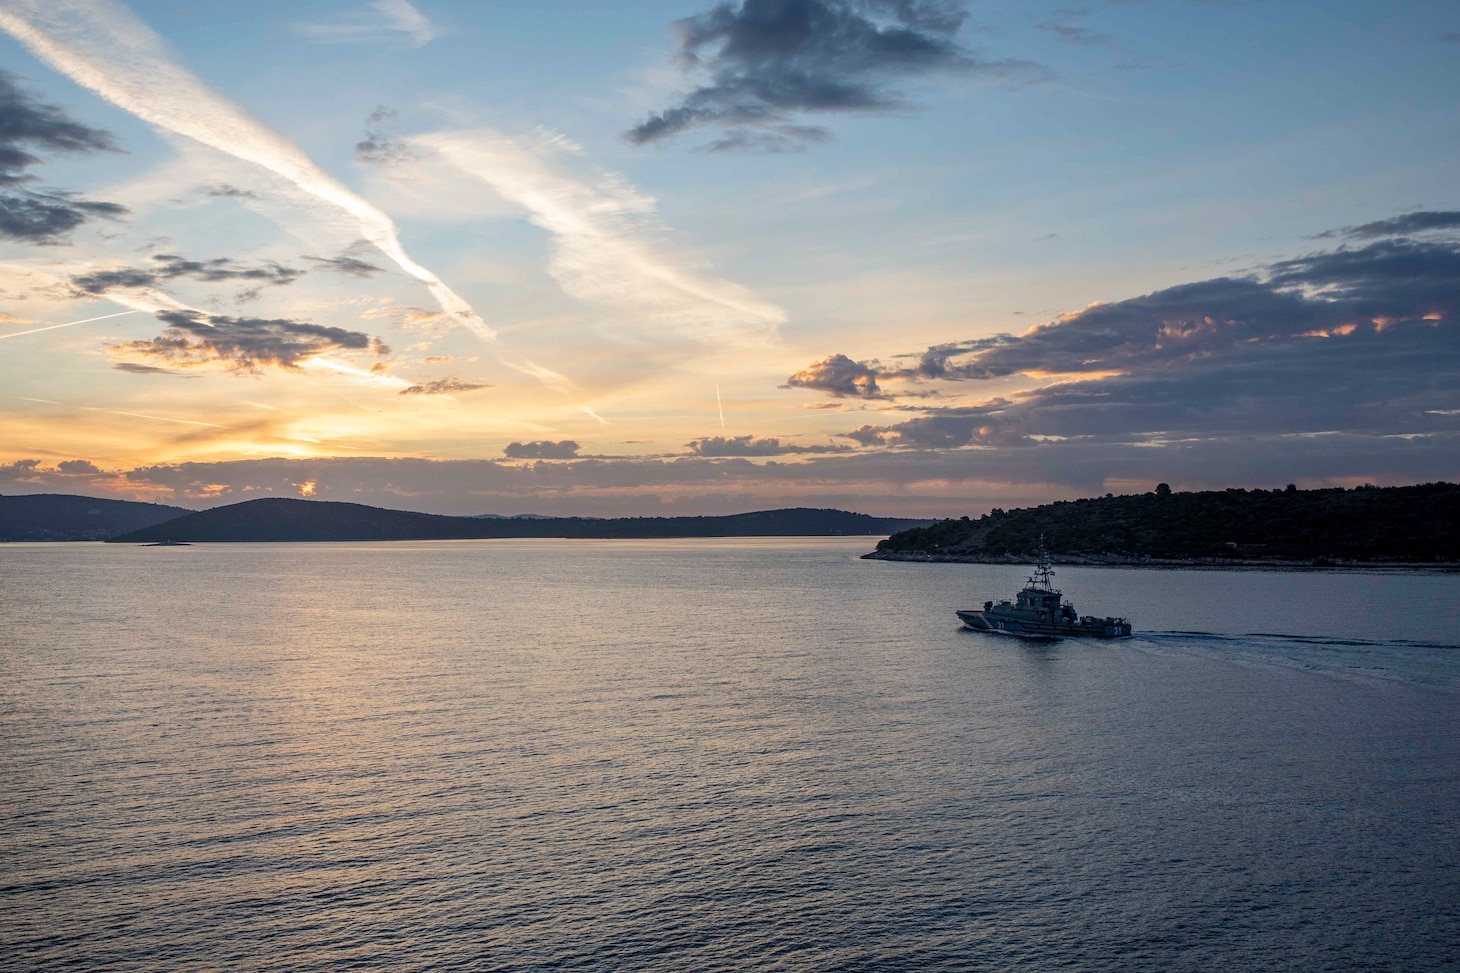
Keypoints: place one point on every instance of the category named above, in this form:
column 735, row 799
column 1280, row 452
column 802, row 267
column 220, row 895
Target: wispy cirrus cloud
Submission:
column 610, row 247
column 765, row 63
column 378, row 21
column 103, row 46
column 29, row 125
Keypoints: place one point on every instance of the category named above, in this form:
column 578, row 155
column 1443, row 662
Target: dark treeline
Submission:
column 1412, row 523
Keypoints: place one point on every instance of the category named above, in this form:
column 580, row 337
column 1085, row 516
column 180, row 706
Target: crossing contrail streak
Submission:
column 102, row 45
column 68, row 324
column 721, row 404
column 139, row 415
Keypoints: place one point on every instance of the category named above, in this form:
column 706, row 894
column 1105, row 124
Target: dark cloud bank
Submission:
column 767, row 62
column 1354, row 342
column 28, row 126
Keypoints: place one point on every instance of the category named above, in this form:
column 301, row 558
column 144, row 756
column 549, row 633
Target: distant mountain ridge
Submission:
column 1366, row 524
column 63, row 517
column 287, row 519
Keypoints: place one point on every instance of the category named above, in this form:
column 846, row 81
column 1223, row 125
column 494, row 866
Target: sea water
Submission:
column 714, row 755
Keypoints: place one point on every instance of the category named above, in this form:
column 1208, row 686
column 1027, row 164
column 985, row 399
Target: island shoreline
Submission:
column 1188, row 563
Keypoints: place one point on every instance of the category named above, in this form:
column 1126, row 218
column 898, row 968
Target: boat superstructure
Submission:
column 1039, row 611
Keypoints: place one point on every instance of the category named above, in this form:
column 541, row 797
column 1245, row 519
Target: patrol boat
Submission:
column 1040, row 614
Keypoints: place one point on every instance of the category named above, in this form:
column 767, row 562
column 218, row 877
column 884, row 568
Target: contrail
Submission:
column 53, row 327
column 556, row 381
column 722, row 407
column 138, row 415
column 102, row 45
column 609, row 246
column 345, row 368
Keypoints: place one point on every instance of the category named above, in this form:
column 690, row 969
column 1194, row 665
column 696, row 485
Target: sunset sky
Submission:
column 906, row 257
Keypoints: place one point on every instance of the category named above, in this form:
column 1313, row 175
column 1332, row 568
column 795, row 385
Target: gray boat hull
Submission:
column 999, row 623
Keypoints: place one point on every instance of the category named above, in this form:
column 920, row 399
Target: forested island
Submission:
column 1369, row 525
column 65, row 517
column 286, row 519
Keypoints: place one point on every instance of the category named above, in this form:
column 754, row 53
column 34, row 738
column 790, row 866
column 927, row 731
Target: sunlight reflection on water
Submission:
column 761, row 754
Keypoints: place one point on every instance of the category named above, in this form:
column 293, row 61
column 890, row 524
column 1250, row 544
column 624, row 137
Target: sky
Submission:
column 906, row 257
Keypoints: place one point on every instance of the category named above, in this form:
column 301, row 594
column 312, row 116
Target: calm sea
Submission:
column 714, row 755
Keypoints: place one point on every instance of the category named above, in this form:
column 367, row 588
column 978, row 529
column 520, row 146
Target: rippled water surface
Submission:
column 714, row 755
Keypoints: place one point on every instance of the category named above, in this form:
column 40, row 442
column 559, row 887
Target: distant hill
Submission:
column 59, row 517
column 1369, row 524
column 283, row 519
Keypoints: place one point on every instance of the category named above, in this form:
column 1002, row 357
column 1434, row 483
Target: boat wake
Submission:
column 1426, row 664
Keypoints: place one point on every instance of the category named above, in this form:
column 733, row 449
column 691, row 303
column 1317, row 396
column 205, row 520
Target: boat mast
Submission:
column 1043, row 570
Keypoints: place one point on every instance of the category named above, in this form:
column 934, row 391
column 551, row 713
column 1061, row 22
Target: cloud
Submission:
column 225, row 191
column 770, row 140
column 442, row 386
column 222, row 268
column 193, row 340
column 1353, row 341
column 542, row 449
column 101, row 45
column 1337, row 293
column 754, row 446
column 1394, row 279
column 29, row 125
column 347, row 265
column 838, row 375
column 381, row 146
column 765, row 62
column 47, row 216
column 136, row 368
column 610, row 248
column 381, row 20
column 1078, row 36
column 170, row 266
column 1418, row 222
column 33, row 124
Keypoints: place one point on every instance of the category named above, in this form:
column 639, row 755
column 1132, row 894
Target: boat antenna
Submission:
column 1043, row 570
